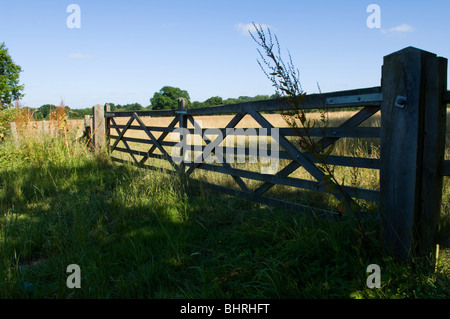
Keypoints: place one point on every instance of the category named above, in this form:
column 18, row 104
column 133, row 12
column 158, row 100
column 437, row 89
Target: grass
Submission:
column 144, row 234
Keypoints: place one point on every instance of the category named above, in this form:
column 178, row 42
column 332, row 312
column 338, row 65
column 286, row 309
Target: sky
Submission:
column 123, row 52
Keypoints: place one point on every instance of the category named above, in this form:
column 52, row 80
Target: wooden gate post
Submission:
column 413, row 119
column 14, row 135
column 182, row 122
column 99, row 127
column 107, row 108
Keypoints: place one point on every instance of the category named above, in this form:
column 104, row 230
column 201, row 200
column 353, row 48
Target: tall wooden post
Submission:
column 412, row 149
column 107, row 126
column 14, row 135
column 43, row 127
column 99, row 127
column 182, row 122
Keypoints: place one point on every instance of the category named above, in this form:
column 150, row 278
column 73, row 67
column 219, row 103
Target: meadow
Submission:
column 139, row 233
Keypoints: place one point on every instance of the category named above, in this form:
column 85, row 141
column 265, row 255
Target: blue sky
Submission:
column 125, row 51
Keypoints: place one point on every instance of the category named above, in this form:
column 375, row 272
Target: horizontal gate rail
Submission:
column 313, row 101
column 361, row 193
column 355, row 132
column 347, row 161
column 141, row 140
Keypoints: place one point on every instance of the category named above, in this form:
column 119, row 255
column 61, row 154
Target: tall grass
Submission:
column 62, row 204
column 143, row 234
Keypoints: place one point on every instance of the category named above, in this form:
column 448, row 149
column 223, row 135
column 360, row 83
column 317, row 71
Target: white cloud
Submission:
column 399, row 29
column 245, row 28
column 79, row 56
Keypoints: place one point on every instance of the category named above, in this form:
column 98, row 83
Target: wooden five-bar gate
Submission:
column 412, row 99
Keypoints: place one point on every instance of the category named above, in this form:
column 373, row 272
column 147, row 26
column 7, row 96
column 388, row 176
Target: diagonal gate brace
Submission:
column 215, row 143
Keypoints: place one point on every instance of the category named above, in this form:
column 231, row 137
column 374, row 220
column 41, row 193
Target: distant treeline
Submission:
column 166, row 98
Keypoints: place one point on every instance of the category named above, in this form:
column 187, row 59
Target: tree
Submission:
column 261, row 97
column 213, row 101
column 10, row 89
column 112, row 106
column 244, row 99
column 196, row 105
column 80, row 113
column 132, row 107
column 45, row 110
column 167, row 98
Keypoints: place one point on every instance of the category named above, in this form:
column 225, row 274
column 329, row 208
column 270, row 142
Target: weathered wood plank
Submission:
column 434, row 126
column 355, row 132
column 362, row 193
column 150, row 113
column 312, row 101
column 236, row 119
column 14, row 135
column 118, row 132
column 304, row 159
column 150, row 128
column 399, row 149
column 120, row 137
column 346, row 161
column 99, row 127
column 143, row 141
column 139, row 153
column 182, row 119
column 410, row 73
column 337, row 132
column 269, row 201
column 354, row 121
column 212, row 145
column 160, row 140
column 155, row 142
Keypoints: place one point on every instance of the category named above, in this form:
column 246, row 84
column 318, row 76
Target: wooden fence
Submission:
column 51, row 128
column 412, row 99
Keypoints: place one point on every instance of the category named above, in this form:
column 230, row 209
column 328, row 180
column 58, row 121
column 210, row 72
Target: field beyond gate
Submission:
column 129, row 133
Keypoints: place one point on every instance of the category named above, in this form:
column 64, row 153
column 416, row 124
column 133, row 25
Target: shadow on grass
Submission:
column 140, row 234
column 123, row 227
